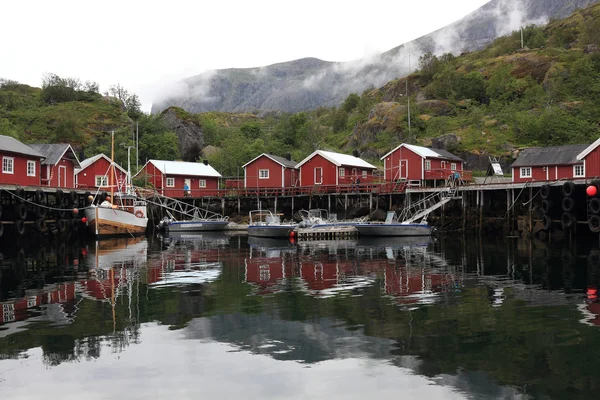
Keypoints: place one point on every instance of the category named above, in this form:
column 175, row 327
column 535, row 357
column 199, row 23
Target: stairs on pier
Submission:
column 420, row 210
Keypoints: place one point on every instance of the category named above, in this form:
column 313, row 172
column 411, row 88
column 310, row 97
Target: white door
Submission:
column 318, row 176
column 403, row 169
column 62, row 176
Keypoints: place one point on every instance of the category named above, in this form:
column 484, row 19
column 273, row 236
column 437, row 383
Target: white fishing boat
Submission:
column 393, row 227
column 125, row 214
column 202, row 221
column 264, row 223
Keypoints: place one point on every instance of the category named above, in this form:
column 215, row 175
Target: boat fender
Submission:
column 594, row 205
column 139, row 214
column 545, row 191
column 39, row 196
column 568, row 204
column 40, row 225
column 20, row 195
column 59, row 196
column 567, row 220
column 19, row 227
column 546, row 206
column 20, row 211
column 73, row 197
column 41, row 212
column 594, row 223
column 568, row 188
column 546, row 222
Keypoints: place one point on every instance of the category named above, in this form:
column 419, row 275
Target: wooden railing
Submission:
column 444, row 173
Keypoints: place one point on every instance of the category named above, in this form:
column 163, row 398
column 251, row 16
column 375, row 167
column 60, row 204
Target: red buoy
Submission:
column 84, row 220
column 591, row 190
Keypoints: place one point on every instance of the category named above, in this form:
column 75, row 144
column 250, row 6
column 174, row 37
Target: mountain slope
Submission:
column 310, row 83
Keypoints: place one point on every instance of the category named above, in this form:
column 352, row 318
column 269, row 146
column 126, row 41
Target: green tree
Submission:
column 8, row 129
column 351, row 102
column 160, row 146
column 251, row 130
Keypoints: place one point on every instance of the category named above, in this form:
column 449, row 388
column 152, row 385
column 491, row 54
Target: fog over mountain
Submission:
column 309, row 82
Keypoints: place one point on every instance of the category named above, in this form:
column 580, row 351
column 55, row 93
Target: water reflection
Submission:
column 493, row 318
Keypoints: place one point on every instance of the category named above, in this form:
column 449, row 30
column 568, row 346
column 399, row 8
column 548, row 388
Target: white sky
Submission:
column 143, row 44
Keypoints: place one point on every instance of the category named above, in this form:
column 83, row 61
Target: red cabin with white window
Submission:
column 333, row 169
column 269, row 171
column 169, row 178
column 20, row 163
column 58, row 167
column 554, row 162
column 419, row 165
column 95, row 174
column 591, row 159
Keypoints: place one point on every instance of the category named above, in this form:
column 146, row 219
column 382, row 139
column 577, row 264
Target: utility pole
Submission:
column 522, row 46
column 137, row 149
column 408, row 99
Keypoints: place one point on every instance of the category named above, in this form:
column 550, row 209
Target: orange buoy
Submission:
column 75, row 211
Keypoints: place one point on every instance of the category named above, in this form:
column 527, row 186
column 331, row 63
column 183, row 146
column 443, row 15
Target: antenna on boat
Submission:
column 112, row 166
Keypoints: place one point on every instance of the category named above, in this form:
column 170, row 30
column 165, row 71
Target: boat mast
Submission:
column 112, row 166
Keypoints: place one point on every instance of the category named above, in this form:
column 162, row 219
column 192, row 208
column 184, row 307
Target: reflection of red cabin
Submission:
column 329, row 168
column 266, row 273
column 94, row 173
column 58, row 168
column 16, row 310
column 169, row 177
column 320, row 275
column 20, row 163
column 269, row 171
column 402, row 282
column 420, row 164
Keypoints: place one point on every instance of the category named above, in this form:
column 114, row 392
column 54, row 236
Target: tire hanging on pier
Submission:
column 40, row 225
column 19, row 195
column 567, row 220
column 546, row 206
column 1, row 228
column 546, row 222
column 0, row 210
column 594, row 206
column 20, row 212
column 594, row 223
column 61, row 225
column 19, row 227
column 568, row 188
column 41, row 211
column 545, row 192
column 59, row 197
column 39, row 196
column 568, row 204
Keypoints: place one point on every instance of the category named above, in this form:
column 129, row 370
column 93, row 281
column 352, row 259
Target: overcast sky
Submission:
column 141, row 44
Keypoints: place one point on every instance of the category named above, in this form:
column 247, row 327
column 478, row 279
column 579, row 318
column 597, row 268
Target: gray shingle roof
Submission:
column 12, row 145
column 283, row 161
column 54, row 152
column 447, row 155
column 554, row 155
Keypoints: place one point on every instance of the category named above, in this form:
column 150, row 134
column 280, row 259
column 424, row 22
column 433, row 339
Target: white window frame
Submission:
column 6, row 163
column 263, row 174
column 581, row 174
column 30, row 168
column 342, row 172
column 202, row 183
column 525, row 172
column 453, row 166
column 427, row 165
column 101, row 180
column 170, row 182
column 365, row 173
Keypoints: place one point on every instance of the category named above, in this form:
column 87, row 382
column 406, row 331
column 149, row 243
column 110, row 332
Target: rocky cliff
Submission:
column 309, row 83
column 190, row 134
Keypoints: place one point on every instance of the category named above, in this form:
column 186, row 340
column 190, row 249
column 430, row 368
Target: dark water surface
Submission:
column 217, row 316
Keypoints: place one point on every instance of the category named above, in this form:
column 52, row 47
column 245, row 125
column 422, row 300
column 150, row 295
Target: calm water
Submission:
column 216, row 316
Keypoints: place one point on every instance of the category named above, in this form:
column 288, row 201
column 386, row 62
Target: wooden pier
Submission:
column 327, row 233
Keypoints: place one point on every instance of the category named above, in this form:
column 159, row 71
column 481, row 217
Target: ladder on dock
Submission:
column 183, row 209
column 420, row 210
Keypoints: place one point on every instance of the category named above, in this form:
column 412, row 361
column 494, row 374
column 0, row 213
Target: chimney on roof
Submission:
column 288, row 156
column 205, row 162
column 355, row 153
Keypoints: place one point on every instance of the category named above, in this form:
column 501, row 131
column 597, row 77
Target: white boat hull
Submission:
column 103, row 221
column 197, row 226
column 377, row 229
column 270, row 231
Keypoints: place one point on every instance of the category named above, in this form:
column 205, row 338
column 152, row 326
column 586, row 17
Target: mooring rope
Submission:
column 42, row 205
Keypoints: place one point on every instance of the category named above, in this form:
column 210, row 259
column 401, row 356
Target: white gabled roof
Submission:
column 279, row 160
column 339, row 159
column 588, row 150
column 184, row 168
column 89, row 161
column 419, row 150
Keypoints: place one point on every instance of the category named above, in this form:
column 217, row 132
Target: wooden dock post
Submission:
column 530, row 211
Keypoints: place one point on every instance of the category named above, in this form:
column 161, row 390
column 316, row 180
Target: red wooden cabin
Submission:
column 421, row 166
column 94, row 174
column 58, row 167
column 21, row 165
column 591, row 159
column 334, row 169
column 269, row 171
column 169, row 177
column 553, row 163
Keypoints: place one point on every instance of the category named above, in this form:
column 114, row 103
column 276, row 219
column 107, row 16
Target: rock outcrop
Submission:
column 190, row 134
